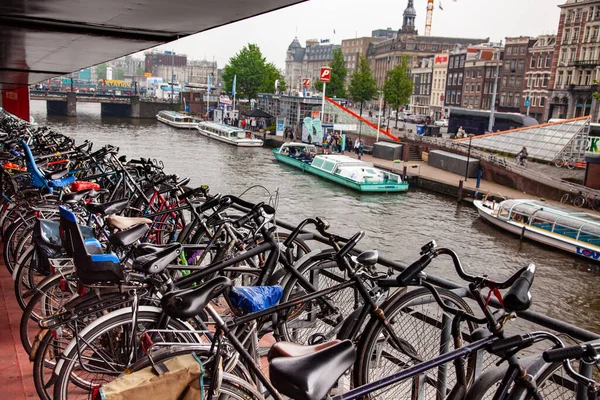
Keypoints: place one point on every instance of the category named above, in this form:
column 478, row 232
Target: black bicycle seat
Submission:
column 311, row 377
column 188, row 303
column 76, row 197
column 109, row 208
column 156, row 262
column 128, row 237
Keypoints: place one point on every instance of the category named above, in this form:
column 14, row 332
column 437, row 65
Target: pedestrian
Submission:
column 349, row 143
column 357, row 148
column 361, row 148
column 254, row 124
column 461, row 133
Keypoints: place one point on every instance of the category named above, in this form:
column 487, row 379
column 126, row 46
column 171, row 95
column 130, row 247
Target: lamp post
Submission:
column 468, row 159
column 493, row 107
column 379, row 114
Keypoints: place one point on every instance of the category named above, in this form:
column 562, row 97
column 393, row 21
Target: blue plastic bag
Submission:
column 255, row 298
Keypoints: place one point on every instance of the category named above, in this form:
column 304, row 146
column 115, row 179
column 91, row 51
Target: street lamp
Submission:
column 493, row 107
column 379, row 114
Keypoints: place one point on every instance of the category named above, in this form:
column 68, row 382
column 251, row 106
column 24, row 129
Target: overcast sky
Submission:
column 317, row 19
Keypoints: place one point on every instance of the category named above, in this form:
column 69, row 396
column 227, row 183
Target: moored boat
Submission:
column 228, row 134
column 177, row 120
column 569, row 230
column 347, row 171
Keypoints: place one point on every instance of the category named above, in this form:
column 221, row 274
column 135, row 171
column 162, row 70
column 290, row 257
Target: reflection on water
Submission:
column 397, row 225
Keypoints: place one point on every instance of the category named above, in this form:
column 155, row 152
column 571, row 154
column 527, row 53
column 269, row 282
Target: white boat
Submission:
column 573, row 231
column 177, row 119
column 347, row 171
column 228, row 134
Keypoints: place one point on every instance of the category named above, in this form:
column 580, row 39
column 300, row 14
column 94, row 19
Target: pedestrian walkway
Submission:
column 15, row 369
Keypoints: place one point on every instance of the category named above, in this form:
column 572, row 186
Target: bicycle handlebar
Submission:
column 518, row 297
column 583, row 350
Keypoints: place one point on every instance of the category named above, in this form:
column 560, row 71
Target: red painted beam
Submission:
column 16, row 101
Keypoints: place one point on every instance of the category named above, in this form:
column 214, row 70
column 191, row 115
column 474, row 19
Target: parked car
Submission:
column 409, row 118
column 404, row 116
column 420, row 119
column 441, row 122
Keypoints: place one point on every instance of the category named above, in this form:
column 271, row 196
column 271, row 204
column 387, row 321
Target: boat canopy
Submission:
column 175, row 116
column 223, row 130
column 576, row 225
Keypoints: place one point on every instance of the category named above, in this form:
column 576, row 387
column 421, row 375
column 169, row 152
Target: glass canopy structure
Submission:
column 545, row 142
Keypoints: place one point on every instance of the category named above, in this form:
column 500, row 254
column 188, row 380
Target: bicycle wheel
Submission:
column 566, row 198
column 417, row 319
column 559, row 163
column 298, row 324
column 579, row 201
column 105, row 348
column 25, row 278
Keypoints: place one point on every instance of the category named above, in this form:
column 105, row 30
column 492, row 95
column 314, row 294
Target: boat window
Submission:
column 566, row 231
column 519, row 217
column 525, row 208
column 328, row 166
column 318, row 162
column 570, row 222
column 590, row 234
column 543, row 221
column 504, row 212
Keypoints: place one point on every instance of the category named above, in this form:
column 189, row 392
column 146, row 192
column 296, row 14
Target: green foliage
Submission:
column 101, row 71
column 398, row 85
column 119, row 74
column 337, row 86
column 140, row 70
column 363, row 86
column 253, row 73
column 272, row 74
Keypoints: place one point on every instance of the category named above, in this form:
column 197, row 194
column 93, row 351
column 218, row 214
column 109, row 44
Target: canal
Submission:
column 397, row 225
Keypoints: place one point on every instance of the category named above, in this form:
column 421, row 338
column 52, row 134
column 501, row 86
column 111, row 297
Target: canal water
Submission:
column 396, row 225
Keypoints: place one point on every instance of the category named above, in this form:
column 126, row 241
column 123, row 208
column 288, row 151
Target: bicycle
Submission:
column 578, row 200
column 564, row 161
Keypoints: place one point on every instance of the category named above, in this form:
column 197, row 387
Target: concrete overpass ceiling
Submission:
column 41, row 39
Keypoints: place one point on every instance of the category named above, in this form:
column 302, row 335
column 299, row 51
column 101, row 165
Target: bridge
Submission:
column 65, row 103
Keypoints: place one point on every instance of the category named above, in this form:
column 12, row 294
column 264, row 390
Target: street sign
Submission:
column 325, row 74
column 527, row 102
column 147, row 73
column 441, row 97
column 306, row 82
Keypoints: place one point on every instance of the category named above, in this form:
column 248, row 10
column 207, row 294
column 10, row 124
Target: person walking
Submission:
column 349, row 144
column 357, row 148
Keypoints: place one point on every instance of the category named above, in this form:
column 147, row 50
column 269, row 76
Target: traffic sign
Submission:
column 306, row 82
column 527, row 102
column 325, row 74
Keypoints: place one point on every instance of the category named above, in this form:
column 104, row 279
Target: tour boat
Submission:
column 177, row 120
column 228, row 134
column 569, row 230
column 347, row 171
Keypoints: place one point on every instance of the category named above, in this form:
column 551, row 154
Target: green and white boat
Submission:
column 347, row 171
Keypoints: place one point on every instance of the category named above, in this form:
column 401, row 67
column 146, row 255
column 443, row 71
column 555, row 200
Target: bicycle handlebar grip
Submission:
column 569, row 353
column 518, row 297
column 350, row 245
column 506, row 344
column 240, row 202
column 407, row 276
column 209, row 204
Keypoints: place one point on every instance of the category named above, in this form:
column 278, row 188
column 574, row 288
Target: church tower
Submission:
column 410, row 14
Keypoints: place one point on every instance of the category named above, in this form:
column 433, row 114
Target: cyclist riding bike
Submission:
column 522, row 156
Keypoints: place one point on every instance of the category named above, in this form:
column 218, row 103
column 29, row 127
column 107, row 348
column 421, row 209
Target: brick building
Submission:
column 422, row 81
column 538, row 69
column 479, row 77
column 512, row 75
column 455, row 76
column 167, row 65
column 575, row 63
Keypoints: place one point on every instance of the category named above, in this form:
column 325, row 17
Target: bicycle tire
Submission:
column 579, row 201
column 107, row 325
column 412, row 312
column 566, row 198
column 289, row 323
column 24, row 278
column 558, row 163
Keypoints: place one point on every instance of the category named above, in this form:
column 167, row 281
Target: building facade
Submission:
column 438, row 86
column 199, row 71
column 167, row 65
column 575, row 63
column 353, row 49
column 385, row 55
column 481, row 69
column 455, row 77
column 292, row 108
column 516, row 54
column 538, row 70
column 422, row 82
column 306, row 62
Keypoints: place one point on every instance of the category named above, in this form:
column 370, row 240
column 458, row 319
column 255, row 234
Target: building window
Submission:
column 586, row 38
column 504, row 81
column 595, row 34
column 542, row 101
column 588, row 78
column 521, row 65
column 460, row 78
column 575, row 35
column 477, row 101
column 513, row 65
column 509, row 51
column 546, row 80
column 507, row 65
column 451, row 63
column 567, row 36
column 511, row 82
column 453, row 98
column 465, row 101
column 533, row 101
column 517, row 100
column 519, row 82
column 462, row 61
column 569, row 77
column 488, row 72
column 478, row 87
column 472, row 88
column 559, row 80
column 540, row 62
column 503, row 99
column 510, row 99
column 486, row 88
column 532, row 65
column 468, row 73
column 547, row 60
column 458, row 97
column 455, row 80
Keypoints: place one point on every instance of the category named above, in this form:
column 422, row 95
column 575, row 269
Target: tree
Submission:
column 398, row 85
column 272, row 74
column 249, row 67
column 101, row 71
column 363, row 86
column 337, row 86
column 140, row 70
column 119, row 74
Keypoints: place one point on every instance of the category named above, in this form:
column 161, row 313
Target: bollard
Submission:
column 479, row 173
column 460, row 191
column 404, row 173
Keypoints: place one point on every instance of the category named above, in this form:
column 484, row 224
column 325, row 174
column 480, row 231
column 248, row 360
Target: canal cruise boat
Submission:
column 350, row 172
column 228, row 134
column 177, row 119
column 573, row 231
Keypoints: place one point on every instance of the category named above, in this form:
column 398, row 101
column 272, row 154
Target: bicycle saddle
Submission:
column 188, row 303
column 290, row 349
column 311, row 376
column 154, row 263
column 76, row 197
column 126, row 222
column 108, row 208
column 53, row 175
column 129, row 236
